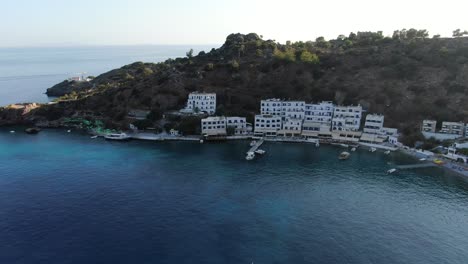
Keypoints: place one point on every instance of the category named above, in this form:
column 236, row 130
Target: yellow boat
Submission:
column 438, row 161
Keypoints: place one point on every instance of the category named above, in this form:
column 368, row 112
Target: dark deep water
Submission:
column 66, row 198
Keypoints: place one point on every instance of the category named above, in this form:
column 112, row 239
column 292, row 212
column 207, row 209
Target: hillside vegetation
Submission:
column 408, row 77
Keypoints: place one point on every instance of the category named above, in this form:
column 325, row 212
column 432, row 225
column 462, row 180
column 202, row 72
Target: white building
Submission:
column 346, row 118
column 466, row 130
column 321, row 112
column 271, row 107
column 374, row 124
column 429, row 126
column 293, row 109
column 213, row 125
column 291, row 127
column 456, row 128
column 238, row 123
column 267, row 125
column 316, row 130
column 201, row 102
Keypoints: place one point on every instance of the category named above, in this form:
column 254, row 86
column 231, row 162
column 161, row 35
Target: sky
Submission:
column 135, row 22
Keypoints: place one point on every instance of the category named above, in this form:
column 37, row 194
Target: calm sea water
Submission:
column 26, row 73
column 66, row 198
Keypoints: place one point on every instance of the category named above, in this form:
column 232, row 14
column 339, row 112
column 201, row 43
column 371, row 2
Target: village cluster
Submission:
column 295, row 119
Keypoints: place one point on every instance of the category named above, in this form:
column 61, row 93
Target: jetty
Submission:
column 415, row 166
column 256, row 146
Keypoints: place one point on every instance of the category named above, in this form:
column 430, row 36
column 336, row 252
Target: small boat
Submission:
column 372, row 149
column 68, row 131
column 201, row 141
column 12, row 132
column 32, row 130
column 250, row 156
column 438, row 161
column 253, row 143
column 344, row 155
column 117, row 136
column 422, row 159
column 93, row 137
column 390, row 171
column 387, row 152
column 353, row 149
column 260, row 151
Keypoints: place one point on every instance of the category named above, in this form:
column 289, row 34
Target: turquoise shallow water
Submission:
column 66, row 198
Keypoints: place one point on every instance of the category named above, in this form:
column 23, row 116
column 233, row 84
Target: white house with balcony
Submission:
column 311, row 129
column 374, row 124
column 429, row 126
column 321, row 112
column 291, row 127
column 238, row 123
column 213, row 126
column 293, row 109
column 455, row 128
column 271, row 107
column 267, row 125
column 346, row 118
column 201, row 102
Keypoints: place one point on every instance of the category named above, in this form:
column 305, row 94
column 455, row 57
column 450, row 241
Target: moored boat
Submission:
column 253, row 143
column 32, row 130
column 250, row 156
column 344, row 155
column 260, row 151
column 117, row 136
column 390, row 171
column 372, row 149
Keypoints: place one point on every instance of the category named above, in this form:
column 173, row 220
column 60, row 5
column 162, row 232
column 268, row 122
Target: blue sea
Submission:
column 26, row 73
column 67, row 198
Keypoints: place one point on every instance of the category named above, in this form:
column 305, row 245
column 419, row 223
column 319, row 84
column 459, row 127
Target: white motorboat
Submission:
column 387, row 152
column 117, row 136
column 68, row 131
column 93, row 137
column 422, row 159
column 12, row 131
column 372, row 149
column 260, row 151
column 201, row 141
column 344, row 155
column 390, row 171
column 353, row 149
column 250, row 156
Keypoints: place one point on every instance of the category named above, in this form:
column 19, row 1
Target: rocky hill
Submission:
column 408, row 77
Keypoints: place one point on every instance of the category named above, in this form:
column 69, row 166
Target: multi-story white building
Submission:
column 293, row 109
column 201, row 102
column 346, row 118
column 456, row 128
column 321, row 112
column 466, row 130
column 271, row 107
column 213, row 126
column 291, row 127
column 315, row 130
column 374, row 124
column 238, row 123
column 429, row 126
column 267, row 125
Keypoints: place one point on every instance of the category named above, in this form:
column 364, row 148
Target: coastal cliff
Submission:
column 408, row 77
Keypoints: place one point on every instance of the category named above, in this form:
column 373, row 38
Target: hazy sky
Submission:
column 120, row 22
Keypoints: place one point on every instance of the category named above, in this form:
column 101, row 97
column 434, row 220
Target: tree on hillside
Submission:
column 457, row 33
column 189, row 53
column 309, row 57
column 322, row 43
